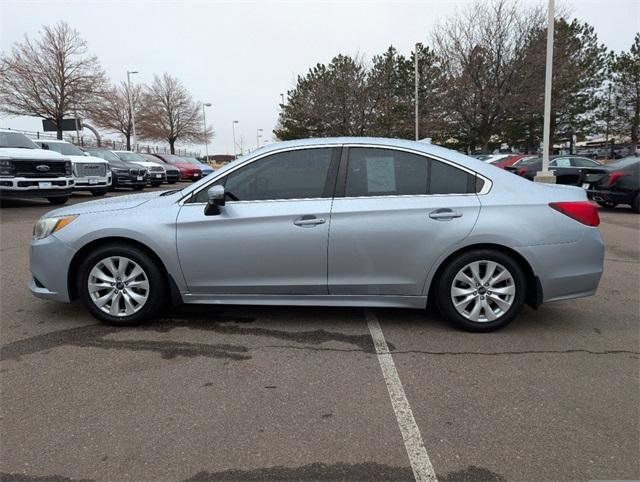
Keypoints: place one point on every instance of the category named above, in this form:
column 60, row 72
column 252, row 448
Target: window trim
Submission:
column 326, row 190
column 340, row 178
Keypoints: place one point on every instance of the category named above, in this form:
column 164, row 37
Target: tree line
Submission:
column 481, row 85
column 55, row 77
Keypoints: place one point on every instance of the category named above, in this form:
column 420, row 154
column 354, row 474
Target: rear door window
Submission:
column 389, row 172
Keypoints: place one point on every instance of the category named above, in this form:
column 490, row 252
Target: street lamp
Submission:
column 545, row 175
column 258, row 136
column 233, row 127
column 133, row 116
column 206, row 137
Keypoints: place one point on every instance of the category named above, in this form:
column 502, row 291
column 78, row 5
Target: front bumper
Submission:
column 129, row 180
column 92, row 183
column 157, row 177
column 50, row 259
column 25, row 187
column 191, row 176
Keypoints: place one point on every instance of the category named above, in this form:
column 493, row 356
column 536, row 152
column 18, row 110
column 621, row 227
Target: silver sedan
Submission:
column 328, row 222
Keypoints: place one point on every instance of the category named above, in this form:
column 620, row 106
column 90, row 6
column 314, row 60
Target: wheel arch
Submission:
column 72, row 274
column 534, row 287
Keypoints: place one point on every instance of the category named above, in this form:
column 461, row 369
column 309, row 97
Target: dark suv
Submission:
column 124, row 174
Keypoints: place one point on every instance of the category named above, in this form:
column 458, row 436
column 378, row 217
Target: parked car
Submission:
column 156, row 173
column 188, row 172
column 511, row 160
column 568, row 169
column 89, row 172
column 491, row 158
column 27, row 171
column 615, row 183
column 124, row 174
column 205, row 168
column 173, row 173
column 341, row 222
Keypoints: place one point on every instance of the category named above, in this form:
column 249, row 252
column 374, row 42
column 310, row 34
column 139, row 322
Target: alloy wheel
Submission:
column 118, row 286
column 483, row 291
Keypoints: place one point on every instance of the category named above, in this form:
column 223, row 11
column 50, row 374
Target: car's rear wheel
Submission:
column 482, row 290
column 607, row 204
column 121, row 285
column 56, row 201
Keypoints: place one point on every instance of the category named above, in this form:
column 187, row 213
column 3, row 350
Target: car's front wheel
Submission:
column 482, row 290
column 121, row 285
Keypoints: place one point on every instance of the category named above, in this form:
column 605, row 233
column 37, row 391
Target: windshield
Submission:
column 130, row 156
column 191, row 160
column 103, row 153
column 16, row 140
column 62, row 148
column 530, row 160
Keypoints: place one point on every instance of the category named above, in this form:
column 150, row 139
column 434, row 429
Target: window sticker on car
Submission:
column 381, row 174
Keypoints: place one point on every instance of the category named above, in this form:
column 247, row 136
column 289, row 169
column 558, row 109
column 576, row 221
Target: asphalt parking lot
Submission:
column 253, row 393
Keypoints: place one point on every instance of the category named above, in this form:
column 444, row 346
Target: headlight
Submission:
column 47, row 226
column 7, row 168
column 67, row 168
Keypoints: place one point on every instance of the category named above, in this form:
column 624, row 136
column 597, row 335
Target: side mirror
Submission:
column 215, row 199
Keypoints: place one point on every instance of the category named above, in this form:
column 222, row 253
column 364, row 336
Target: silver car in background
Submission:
column 340, row 222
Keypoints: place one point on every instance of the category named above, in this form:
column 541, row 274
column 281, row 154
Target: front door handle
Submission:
column 444, row 214
column 308, row 220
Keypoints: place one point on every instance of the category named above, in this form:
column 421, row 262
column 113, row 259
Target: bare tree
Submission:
column 169, row 113
column 483, row 60
column 114, row 111
column 50, row 77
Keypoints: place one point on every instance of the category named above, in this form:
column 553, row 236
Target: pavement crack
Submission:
column 523, row 352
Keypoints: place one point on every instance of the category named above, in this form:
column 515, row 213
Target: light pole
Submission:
column 258, row 136
column 206, row 137
column 545, row 175
column 417, row 74
column 233, row 127
column 133, row 116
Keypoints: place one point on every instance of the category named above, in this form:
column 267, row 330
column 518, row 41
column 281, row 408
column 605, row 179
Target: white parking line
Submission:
column 418, row 457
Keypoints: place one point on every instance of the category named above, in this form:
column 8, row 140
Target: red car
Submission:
column 511, row 160
column 188, row 172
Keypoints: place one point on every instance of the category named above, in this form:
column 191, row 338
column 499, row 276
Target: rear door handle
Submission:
column 444, row 214
column 308, row 220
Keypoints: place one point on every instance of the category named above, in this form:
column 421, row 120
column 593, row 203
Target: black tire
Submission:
column 138, row 188
column 155, row 276
column 98, row 193
column 635, row 206
column 607, row 204
column 57, row 201
column 444, row 284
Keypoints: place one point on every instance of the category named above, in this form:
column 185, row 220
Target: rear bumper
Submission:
column 610, row 196
column 571, row 270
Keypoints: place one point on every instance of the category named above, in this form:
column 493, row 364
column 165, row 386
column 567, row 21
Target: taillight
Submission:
column 582, row 211
column 522, row 171
column 614, row 176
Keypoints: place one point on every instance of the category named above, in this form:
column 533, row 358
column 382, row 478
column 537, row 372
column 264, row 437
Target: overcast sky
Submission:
column 241, row 55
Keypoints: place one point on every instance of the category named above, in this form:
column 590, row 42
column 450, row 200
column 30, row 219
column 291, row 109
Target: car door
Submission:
column 271, row 236
column 394, row 214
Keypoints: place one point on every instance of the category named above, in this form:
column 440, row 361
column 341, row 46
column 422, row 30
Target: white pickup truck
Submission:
column 91, row 173
column 27, row 171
